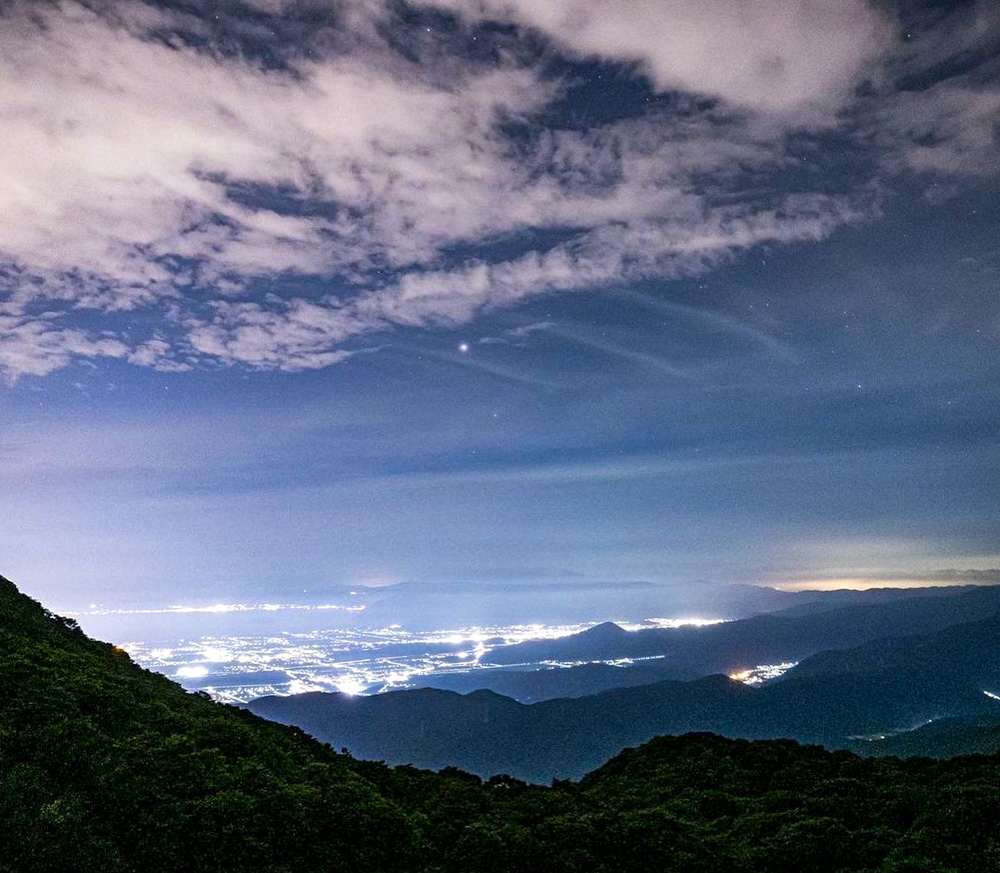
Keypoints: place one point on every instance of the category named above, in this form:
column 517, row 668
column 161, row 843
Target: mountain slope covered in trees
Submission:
column 105, row 766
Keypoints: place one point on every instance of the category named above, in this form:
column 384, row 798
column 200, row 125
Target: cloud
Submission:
column 516, row 334
column 685, row 243
column 943, row 113
column 296, row 336
column 950, row 129
column 37, row 347
column 714, row 321
column 121, row 151
column 770, row 54
column 156, row 353
column 160, row 163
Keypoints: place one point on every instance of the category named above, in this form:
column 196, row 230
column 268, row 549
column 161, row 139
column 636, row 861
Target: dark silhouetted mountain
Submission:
column 706, row 650
column 532, row 686
column 606, row 631
column 833, row 698
column 108, row 767
column 486, row 733
column 805, row 602
column 971, row 649
column 765, row 639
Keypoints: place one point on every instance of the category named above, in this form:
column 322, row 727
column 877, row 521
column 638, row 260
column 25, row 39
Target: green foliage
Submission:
column 105, row 766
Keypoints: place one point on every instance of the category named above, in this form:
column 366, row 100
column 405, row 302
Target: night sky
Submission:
column 297, row 294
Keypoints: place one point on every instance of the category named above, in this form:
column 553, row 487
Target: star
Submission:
column 463, row 348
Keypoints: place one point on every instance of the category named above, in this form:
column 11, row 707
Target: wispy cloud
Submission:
column 715, row 321
column 658, row 363
column 516, row 334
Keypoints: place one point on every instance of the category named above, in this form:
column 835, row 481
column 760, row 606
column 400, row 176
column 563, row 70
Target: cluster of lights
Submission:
column 762, row 673
column 236, row 669
column 674, row 623
column 351, row 660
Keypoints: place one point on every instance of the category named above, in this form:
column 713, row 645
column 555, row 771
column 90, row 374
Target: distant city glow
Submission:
column 351, row 686
column 670, row 623
column 219, row 608
column 762, row 673
column 238, row 668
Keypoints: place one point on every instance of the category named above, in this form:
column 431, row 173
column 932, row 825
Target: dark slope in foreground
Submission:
column 829, row 699
column 107, row 767
column 104, row 765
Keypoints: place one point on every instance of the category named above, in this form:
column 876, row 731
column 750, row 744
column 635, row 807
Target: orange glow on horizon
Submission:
column 863, row 584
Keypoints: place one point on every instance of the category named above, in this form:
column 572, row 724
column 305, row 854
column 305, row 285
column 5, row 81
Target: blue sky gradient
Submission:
column 711, row 335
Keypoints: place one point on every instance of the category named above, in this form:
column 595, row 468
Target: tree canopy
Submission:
column 106, row 766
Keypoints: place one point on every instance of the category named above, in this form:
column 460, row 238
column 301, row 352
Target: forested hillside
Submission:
column 105, row 766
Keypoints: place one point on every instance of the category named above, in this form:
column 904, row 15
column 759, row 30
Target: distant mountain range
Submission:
column 838, row 698
column 108, row 767
column 691, row 652
column 762, row 639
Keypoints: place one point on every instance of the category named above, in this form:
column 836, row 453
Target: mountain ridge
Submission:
column 108, row 767
column 545, row 740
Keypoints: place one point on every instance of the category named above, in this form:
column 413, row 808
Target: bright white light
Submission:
column 991, row 694
column 350, row 686
column 762, row 673
column 684, row 622
column 210, row 653
column 670, row 623
column 194, row 672
column 463, row 348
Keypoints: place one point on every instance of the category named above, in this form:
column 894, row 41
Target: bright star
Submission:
column 463, row 348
